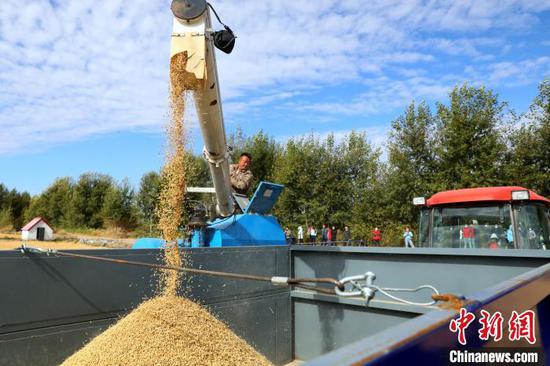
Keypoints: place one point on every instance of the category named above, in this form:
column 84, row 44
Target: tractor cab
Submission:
column 492, row 218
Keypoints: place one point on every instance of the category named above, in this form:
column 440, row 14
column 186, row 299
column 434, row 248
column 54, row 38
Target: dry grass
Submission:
column 13, row 244
column 9, row 241
column 111, row 233
column 63, row 240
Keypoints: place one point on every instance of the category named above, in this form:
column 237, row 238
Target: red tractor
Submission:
column 493, row 217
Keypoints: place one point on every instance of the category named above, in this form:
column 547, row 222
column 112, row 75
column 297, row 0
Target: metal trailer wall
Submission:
column 427, row 340
column 323, row 323
column 50, row 306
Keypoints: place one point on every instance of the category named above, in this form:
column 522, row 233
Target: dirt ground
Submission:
column 10, row 241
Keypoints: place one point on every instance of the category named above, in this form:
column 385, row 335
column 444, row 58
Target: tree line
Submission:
column 472, row 140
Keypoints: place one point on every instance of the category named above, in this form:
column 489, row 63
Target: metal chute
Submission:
column 192, row 35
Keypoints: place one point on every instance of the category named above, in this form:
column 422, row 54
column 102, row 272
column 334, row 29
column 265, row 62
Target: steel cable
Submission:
column 297, row 282
column 290, row 281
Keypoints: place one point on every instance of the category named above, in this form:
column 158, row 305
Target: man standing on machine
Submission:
column 241, row 176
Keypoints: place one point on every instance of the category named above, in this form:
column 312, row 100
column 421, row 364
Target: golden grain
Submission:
column 172, row 194
column 167, row 330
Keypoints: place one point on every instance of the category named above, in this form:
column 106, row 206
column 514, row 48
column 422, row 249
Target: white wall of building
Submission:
column 32, row 233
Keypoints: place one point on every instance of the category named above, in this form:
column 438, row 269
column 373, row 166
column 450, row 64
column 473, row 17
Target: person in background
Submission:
column 324, row 234
column 376, row 237
column 329, row 235
column 300, row 234
column 288, row 235
column 469, row 236
column 493, row 242
column 408, row 236
column 334, row 233
column 313, row 234
column 347, row 234
column 510, row 237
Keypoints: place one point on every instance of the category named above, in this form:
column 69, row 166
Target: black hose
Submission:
column 216, row 14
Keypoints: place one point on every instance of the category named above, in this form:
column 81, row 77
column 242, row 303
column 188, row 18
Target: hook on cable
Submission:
column 363, row 286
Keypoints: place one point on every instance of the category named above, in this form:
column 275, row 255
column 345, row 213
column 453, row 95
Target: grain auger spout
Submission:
column 240, row 220
column 193, row 42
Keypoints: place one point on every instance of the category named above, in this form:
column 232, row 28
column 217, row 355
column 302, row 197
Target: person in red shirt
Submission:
column 493, row 243
column 376, row 237
column 469, row 233
column 329, row 235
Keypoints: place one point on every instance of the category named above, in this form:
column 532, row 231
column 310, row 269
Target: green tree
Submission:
column 5, row 219
column 470, row 145
column 5, row 212
column 87, row 200
column 325, row 181
column 54, row 203
column 411, row 162
column 198, row 172
column 118, row 208
column 4, row 192
column 363, row 174
column 298, row 169
column 147, row 199
column 529, row 162
column 17, row 204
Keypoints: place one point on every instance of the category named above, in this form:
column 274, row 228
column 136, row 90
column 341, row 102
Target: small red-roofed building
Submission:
column 37, row 229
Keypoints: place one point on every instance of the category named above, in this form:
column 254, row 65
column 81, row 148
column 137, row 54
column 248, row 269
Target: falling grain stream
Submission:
column 169, row 329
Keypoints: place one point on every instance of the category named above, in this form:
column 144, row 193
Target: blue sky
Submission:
column 83, row 84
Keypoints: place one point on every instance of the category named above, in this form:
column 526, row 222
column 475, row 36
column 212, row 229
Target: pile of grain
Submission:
column 167, row 330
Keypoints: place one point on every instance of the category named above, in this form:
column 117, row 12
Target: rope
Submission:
column 385, row 290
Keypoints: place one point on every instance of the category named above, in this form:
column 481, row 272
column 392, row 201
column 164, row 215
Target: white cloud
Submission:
column 385, row 94
column 518, row 73
column 80, row 68
column 461, row 46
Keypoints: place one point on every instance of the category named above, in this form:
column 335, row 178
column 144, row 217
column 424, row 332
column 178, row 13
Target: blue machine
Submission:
column 255, row 226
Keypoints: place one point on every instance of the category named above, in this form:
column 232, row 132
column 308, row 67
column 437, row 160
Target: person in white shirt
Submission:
column 300, row 234
column 313, row 235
